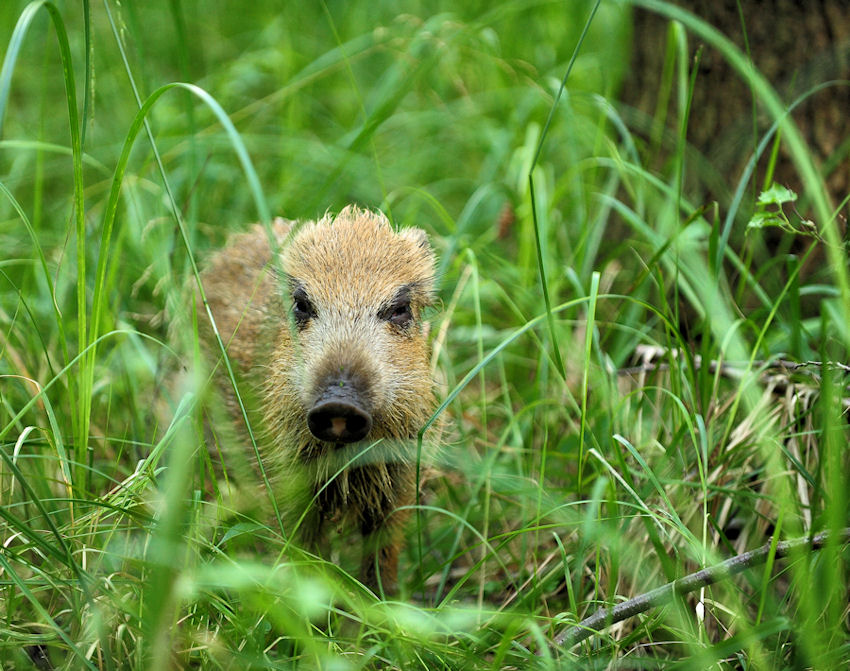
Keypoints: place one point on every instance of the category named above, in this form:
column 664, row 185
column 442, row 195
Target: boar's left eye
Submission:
column 302, row 308
column 401, row 315
column 399, row 312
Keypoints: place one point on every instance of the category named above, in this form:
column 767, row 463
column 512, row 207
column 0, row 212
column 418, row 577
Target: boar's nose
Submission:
column 339, row 415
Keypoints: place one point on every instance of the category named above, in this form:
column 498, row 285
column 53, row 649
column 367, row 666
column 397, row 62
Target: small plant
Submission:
column 770, row 212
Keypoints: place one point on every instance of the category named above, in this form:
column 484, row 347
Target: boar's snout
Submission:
column 341, row 411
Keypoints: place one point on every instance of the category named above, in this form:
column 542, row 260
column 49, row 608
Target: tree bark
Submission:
column 796, row 45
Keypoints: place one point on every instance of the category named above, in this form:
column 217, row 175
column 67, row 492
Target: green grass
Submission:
column 609, row 343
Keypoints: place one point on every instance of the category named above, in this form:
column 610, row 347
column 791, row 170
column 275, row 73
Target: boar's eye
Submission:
column 302, row 308
column 398, row 312
column 401, row 315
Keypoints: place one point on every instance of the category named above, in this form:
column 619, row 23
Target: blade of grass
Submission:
column 82, row 405
column 590, row 327
column 109, row 217
column 540, row 264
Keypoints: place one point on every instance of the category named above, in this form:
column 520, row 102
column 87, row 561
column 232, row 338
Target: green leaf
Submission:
column 777, row 195
column 765, row 220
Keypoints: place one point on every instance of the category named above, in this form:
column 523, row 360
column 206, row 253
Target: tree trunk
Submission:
column 796, row 45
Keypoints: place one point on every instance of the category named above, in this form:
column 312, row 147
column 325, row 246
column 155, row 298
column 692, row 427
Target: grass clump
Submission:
column 634, row 387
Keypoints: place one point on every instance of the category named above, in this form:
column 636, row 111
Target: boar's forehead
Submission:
column 361, row 264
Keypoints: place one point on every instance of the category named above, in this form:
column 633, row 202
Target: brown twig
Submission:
column 605, row 617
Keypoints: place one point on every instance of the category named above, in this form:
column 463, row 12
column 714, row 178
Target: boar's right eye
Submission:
column 302, row 308
column 398, row 312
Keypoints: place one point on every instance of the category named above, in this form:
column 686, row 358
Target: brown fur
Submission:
column 352, row 268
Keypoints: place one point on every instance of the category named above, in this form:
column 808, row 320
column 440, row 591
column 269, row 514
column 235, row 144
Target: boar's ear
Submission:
column 281, row 228
column 416, row 236
column 419, row 238
column 425, row 285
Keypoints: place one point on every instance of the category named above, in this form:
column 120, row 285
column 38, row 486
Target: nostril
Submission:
column 359, row 424
column 339, row 422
